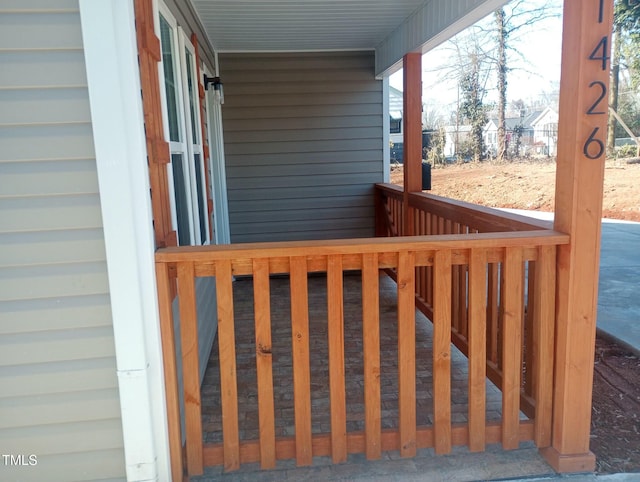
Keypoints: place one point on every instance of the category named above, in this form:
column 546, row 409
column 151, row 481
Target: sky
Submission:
column 540, row 45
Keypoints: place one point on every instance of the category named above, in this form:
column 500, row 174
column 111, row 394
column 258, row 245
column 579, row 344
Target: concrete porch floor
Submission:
column 461, row 465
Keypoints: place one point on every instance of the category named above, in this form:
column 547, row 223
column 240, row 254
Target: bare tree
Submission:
column 625, row 56
column 472, row 72
column 516, row 18
column 501, row 68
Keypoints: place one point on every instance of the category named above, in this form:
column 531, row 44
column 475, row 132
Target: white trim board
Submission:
column 110, row 48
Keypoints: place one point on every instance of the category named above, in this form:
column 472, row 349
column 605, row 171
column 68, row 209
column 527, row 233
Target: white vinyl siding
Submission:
column 304, row 144
column 59, row 397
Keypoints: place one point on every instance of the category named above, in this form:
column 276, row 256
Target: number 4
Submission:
column 601, row 51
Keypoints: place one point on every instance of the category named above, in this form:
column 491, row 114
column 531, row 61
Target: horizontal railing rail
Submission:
column 477, row 218
column 406, row 256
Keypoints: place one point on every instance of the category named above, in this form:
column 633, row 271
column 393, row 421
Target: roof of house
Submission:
column 512, row 122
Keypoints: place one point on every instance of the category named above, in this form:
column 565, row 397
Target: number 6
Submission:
column 592, row 139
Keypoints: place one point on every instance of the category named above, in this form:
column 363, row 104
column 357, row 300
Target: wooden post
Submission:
column 412, row 134
column 579, row 185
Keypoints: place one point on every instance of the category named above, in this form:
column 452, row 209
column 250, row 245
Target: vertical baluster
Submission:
column 228, row 373
column 264, row 360
column 429, row 270
column 335, row 300
column 477, row 349
column 501, row 308
column 463, row 293
column 492, row 312
column 512, row 346
column 544, row 332
column 170, row 369
column 528, row 338
column 190, row 367
column 442, row 351
column 407, row 353
column 421, row 276
column 371, row 348
column 301, row 369
column 455, row 286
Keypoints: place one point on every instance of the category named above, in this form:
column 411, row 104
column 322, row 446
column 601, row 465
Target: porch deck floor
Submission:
column 283, row 377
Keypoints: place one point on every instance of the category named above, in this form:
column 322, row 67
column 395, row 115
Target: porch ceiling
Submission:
column 391, row 27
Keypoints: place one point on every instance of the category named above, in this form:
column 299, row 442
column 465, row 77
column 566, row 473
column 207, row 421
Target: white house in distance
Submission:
column 455, row 136
column 539, row 132
column 545, row 132
column 395, row 124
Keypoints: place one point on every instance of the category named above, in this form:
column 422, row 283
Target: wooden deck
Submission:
column 354, row 363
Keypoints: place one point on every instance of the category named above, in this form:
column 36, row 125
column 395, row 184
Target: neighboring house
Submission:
column 545, row 132
column 114, row 144
column 395, row 124
column 538, row 133
column 455, row 139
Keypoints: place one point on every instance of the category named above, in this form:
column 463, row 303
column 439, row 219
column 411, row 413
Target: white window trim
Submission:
column 193, row 149
column 110, row 47
column 185, row 146
column 386, row 135
column 216, row 166
column 181, row 146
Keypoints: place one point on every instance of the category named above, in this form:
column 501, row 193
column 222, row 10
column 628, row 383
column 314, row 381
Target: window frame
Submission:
column 191, row 153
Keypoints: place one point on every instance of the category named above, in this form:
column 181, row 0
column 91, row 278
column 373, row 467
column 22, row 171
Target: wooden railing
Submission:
column 411, row 258
column 435, row 215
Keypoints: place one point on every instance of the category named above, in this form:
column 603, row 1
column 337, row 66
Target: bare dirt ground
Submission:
column 615, row 424
column 530, row 184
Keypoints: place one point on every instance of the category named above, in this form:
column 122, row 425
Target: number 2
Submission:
column 603, row 93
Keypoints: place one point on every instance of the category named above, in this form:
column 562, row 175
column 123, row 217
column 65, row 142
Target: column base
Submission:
column 569, row 463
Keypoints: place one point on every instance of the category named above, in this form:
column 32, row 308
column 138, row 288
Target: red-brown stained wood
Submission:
column 512, row 346
column 190, row 367
column 406, row 353
column 157, row 148
column 170, row 370
column 529, row 340
column 442, row 352
column 492, row 312
column 335, row 300
column 477, row 349
column 544, row 331
column 264, row 359
column 301, row 368
column 371, row 349
column 228, row 372
column 456, row 308
column 285, row 446
column 587, row 28
column 412, row 134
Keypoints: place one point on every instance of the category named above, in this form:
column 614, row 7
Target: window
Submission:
column 181, row 117
column 550, row 130
column 395, row 125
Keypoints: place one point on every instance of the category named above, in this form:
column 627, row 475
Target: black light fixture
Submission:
column 217, row 87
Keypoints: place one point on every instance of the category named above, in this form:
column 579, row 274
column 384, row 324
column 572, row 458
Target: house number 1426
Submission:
column 594, row 147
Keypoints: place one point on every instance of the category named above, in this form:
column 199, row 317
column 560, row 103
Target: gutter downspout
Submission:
column 111, row 56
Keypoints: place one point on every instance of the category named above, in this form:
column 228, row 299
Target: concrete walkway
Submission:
column 619, row 286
